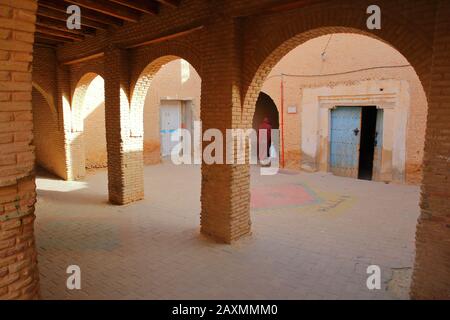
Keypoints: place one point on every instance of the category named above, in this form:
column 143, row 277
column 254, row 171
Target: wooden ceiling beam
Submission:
column 289, row 5
column 46, row 43
column 108, row 8
column 61, row 25
column 172, row 3
column 146, row 6
column 61, row 6
column 83, row 59
column 169, row 36
column 54, row 14
column 58, row 33
column 39, row 35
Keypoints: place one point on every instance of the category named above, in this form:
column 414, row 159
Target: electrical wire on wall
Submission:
column 324, row 52
column 337, row 73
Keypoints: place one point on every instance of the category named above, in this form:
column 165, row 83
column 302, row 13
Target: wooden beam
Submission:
column 85, row 13
column 166, row 37
column 46, row 43
column 51, row 13
column 83, row 59
column 146, row 6
column 274, row 7
column 39, row 35
column 108, row 8
column 61, row 25
column 289, row 5
column 59, row 33
column 172, row 3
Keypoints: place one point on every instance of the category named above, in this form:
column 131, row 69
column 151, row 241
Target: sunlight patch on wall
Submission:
column 95, row 96
column 185, row 70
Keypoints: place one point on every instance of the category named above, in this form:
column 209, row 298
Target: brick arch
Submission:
column 143, row 57
column 269, row 39
column 78, row 96
column 47, row 97
column 75, row 144
column 139, row 88
column 80, row 70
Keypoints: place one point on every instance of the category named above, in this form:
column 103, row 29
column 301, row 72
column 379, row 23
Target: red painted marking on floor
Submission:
column 265, row 197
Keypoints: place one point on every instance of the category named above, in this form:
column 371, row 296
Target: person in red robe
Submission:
column 265, row 125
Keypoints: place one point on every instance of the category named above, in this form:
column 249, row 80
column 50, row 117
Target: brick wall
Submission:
column 431, row 277
column 48, row 133
column 18, row 264
column 46, row 136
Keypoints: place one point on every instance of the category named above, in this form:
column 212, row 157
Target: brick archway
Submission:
column 139, row 92
column 143, row 73
column 78, row 98
column 269, row 39
column 285, row 32
column 75, row 144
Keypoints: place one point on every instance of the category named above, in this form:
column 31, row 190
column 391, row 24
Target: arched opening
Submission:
column 88, row 123
column 266, row 116
column 321, row 78
column 94, row 124
column 266, row 107
column 335, row 90
column 171, row 102
column 165, row 99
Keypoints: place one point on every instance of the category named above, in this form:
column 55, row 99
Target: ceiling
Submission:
column 51, row 29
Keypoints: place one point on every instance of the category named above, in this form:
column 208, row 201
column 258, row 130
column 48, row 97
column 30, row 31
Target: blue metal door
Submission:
column 344, row 141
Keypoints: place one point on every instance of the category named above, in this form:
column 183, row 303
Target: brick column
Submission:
column 125, row 158
column 19, row 277
column 73, row 144
column 225, row 194
column 432, row 268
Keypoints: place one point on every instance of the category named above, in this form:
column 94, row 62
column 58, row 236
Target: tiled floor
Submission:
column 313, row 237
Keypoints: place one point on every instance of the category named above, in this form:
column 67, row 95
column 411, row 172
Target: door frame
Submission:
column 393, row 100
column 161, row 106
column 375, row 175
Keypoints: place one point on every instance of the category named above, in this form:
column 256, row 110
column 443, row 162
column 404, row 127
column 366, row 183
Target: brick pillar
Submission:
column 125, row 158
column 225, row 194
column 19, row 277
column 432, row 268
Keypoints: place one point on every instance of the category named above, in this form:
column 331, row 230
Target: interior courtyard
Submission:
column 360, row 119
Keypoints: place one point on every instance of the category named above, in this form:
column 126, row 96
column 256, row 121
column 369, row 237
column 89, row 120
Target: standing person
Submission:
column 265, row 125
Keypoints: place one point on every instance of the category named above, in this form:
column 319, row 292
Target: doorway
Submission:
column 356, row 141
column 367, row 143
column 170, row 122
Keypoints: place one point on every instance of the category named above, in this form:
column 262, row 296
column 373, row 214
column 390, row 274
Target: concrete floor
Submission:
column 313, row 237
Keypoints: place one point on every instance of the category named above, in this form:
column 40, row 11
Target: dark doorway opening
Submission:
column 265, row 107
column 367, row 142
